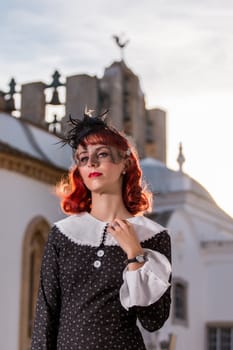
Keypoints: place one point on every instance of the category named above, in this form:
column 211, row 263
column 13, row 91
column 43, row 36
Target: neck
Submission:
column 107, row 207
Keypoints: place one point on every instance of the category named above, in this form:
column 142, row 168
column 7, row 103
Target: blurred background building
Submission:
column 32, row 161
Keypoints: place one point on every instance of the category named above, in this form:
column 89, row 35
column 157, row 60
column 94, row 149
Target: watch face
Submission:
column 140, row 258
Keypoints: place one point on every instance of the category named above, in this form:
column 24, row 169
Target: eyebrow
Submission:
column 97, row 149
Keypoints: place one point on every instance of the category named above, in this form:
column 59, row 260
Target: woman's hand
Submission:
column 124, row 233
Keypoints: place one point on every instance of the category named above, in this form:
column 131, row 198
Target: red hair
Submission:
column 76, row 197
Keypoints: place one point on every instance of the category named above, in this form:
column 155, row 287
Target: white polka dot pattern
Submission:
column 78, row 305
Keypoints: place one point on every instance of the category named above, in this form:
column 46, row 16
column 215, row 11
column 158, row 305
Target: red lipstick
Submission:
column 94, row 174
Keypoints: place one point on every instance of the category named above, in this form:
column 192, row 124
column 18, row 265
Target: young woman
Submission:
column 105, row 266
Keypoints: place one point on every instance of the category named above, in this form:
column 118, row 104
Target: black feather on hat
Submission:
column 81, row 128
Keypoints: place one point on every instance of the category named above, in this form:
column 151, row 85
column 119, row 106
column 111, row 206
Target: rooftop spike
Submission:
column 180, row 159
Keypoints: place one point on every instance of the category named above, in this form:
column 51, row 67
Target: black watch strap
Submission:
column 140, row 258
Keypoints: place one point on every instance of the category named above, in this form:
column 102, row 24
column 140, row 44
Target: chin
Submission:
column 96, row 189
column 101, row 190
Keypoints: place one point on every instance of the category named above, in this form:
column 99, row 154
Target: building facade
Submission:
column 202, row 257
column 32, row 161
column 30, row 166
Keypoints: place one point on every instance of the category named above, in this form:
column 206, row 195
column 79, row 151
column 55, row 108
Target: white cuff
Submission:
column 144, row 286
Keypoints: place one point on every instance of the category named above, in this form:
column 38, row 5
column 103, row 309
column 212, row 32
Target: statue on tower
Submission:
column 121, row 44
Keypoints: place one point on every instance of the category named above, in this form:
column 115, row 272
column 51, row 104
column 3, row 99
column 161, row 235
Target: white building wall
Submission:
column 207, row 271
column 187, row 265
column 22, row 199
column 217, row 263
column 219, row 306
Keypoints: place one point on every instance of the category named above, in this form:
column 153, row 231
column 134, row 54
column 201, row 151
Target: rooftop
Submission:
column 162, row 180
column 17, row 135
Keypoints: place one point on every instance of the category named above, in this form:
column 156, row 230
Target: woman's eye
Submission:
column 103, row 154
column 83, row 160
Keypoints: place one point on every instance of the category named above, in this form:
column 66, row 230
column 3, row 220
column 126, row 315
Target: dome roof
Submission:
column 162, row 180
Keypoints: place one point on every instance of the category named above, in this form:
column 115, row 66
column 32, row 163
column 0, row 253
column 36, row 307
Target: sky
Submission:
column 181, row 50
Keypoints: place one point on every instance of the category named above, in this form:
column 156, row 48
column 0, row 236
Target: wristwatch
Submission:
column 138, row 259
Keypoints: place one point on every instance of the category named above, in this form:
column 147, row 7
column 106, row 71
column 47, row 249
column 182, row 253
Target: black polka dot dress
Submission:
column 87, row 299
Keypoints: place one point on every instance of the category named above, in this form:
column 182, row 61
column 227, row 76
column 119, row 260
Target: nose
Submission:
column 92, row 161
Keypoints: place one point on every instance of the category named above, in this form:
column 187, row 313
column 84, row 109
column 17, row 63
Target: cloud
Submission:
column 174, row 46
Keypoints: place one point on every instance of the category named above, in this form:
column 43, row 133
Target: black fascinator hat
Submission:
column 79, row 128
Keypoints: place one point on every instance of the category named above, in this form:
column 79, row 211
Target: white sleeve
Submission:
column 144, row 286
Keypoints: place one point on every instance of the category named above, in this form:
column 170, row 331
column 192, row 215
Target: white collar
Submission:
column 85, row 229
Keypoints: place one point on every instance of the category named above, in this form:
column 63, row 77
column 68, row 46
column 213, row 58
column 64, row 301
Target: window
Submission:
column 180, row 302
column 35, row 256
column 220, row 338
column 33, row 247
